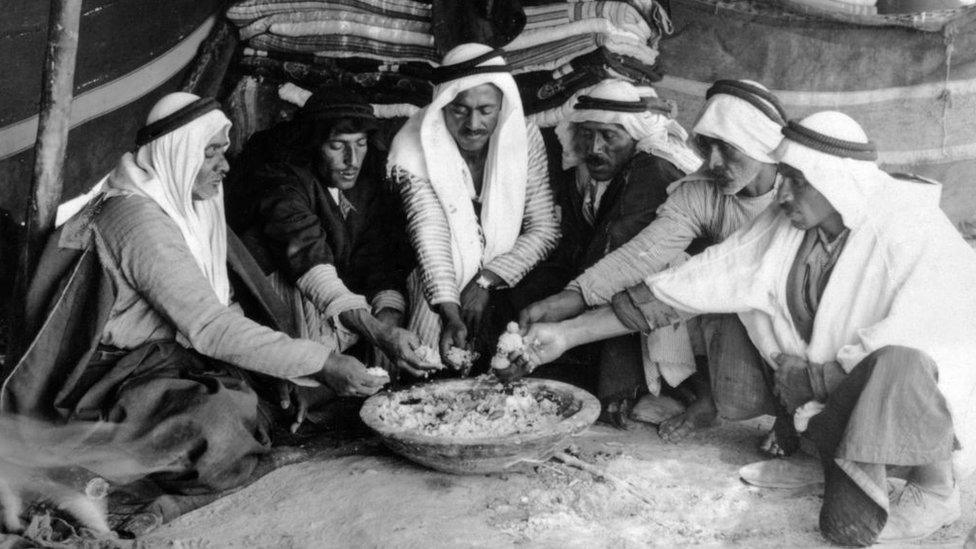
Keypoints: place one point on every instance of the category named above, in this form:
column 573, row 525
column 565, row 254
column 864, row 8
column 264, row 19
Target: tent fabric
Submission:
column 913, row 92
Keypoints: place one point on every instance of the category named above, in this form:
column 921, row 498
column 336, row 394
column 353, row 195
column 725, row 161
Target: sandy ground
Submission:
column 689, row 495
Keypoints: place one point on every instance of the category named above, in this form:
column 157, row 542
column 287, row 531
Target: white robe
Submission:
column 905, row 277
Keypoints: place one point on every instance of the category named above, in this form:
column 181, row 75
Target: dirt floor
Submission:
column 685, row 494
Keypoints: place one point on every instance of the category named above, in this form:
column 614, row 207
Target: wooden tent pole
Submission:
column 49, row 149
column 54, row 117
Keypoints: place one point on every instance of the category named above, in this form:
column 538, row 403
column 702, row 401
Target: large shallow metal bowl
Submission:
column 463, row 455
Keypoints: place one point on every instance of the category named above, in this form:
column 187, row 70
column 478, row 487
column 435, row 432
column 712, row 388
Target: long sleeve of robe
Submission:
column 161, row 292
column 429, row 232
column 695, row 208
column 336, row 260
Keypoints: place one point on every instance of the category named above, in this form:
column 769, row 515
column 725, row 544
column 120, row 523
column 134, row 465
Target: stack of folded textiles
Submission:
column 385, row 49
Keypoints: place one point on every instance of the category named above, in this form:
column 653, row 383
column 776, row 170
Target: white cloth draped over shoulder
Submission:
column 905, row 277
column 425, row 149
column 656, row 134
column 165, row 169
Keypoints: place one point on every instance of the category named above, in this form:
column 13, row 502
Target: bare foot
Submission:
column 770, row 446
column 700, row 414
column 617, row 414
column 782, row 440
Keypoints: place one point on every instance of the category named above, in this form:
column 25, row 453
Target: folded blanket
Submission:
column 385, row 87
column 544, row 90
column 650, row 10
column 352, row 64
column 603, row 27
column 298, row 95
column 326, row 32
column 555, row 54
column 299, row 23
column 347, row 46
column 244, row 12
column 552, row 117
column 329, row 29
column 619, row 14
column 493, row 23
column 622, row 66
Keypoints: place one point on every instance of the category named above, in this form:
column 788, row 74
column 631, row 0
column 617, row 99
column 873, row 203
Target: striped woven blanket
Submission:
column 299, row 23
column 380, row 87
column 245, row 12
column 620, row 14
column 398, row 31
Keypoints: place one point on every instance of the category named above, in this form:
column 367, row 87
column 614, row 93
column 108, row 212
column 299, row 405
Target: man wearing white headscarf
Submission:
column 859, row 294
column 473, row 177
column 621, row 150
column 737, row 131
column 164, row 320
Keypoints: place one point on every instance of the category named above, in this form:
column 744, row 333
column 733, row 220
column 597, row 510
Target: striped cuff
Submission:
column 323, row 286
column 388, row 299
column 509, row 270
column 639, row 310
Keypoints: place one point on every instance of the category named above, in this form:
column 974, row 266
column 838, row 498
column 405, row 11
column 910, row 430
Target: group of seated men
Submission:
column 831, row 294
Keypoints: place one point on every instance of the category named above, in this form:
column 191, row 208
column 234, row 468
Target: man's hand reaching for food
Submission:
column 544, row 343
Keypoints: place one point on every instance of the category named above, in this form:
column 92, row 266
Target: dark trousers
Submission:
column 171, row 408
column 888, row 411
column 741, row 381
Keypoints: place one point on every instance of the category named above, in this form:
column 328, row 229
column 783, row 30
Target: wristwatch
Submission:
column 483, row 282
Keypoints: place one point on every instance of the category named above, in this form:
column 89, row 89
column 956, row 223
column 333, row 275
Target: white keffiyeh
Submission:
column 655, row 133
column 425, row 149
column 165, row 169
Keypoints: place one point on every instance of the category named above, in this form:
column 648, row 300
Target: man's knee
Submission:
column 897, row 360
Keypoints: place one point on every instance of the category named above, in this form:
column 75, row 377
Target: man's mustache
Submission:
column 596, row 159
column 473, row 132
column 718, row 176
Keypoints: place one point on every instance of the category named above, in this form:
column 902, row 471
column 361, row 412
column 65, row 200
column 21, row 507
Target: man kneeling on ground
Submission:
column 331, row 232
column 622, row 149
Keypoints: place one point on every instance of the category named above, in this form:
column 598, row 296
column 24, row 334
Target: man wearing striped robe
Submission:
column 473, row 177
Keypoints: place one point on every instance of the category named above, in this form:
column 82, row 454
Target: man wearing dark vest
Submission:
column 621, row 151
